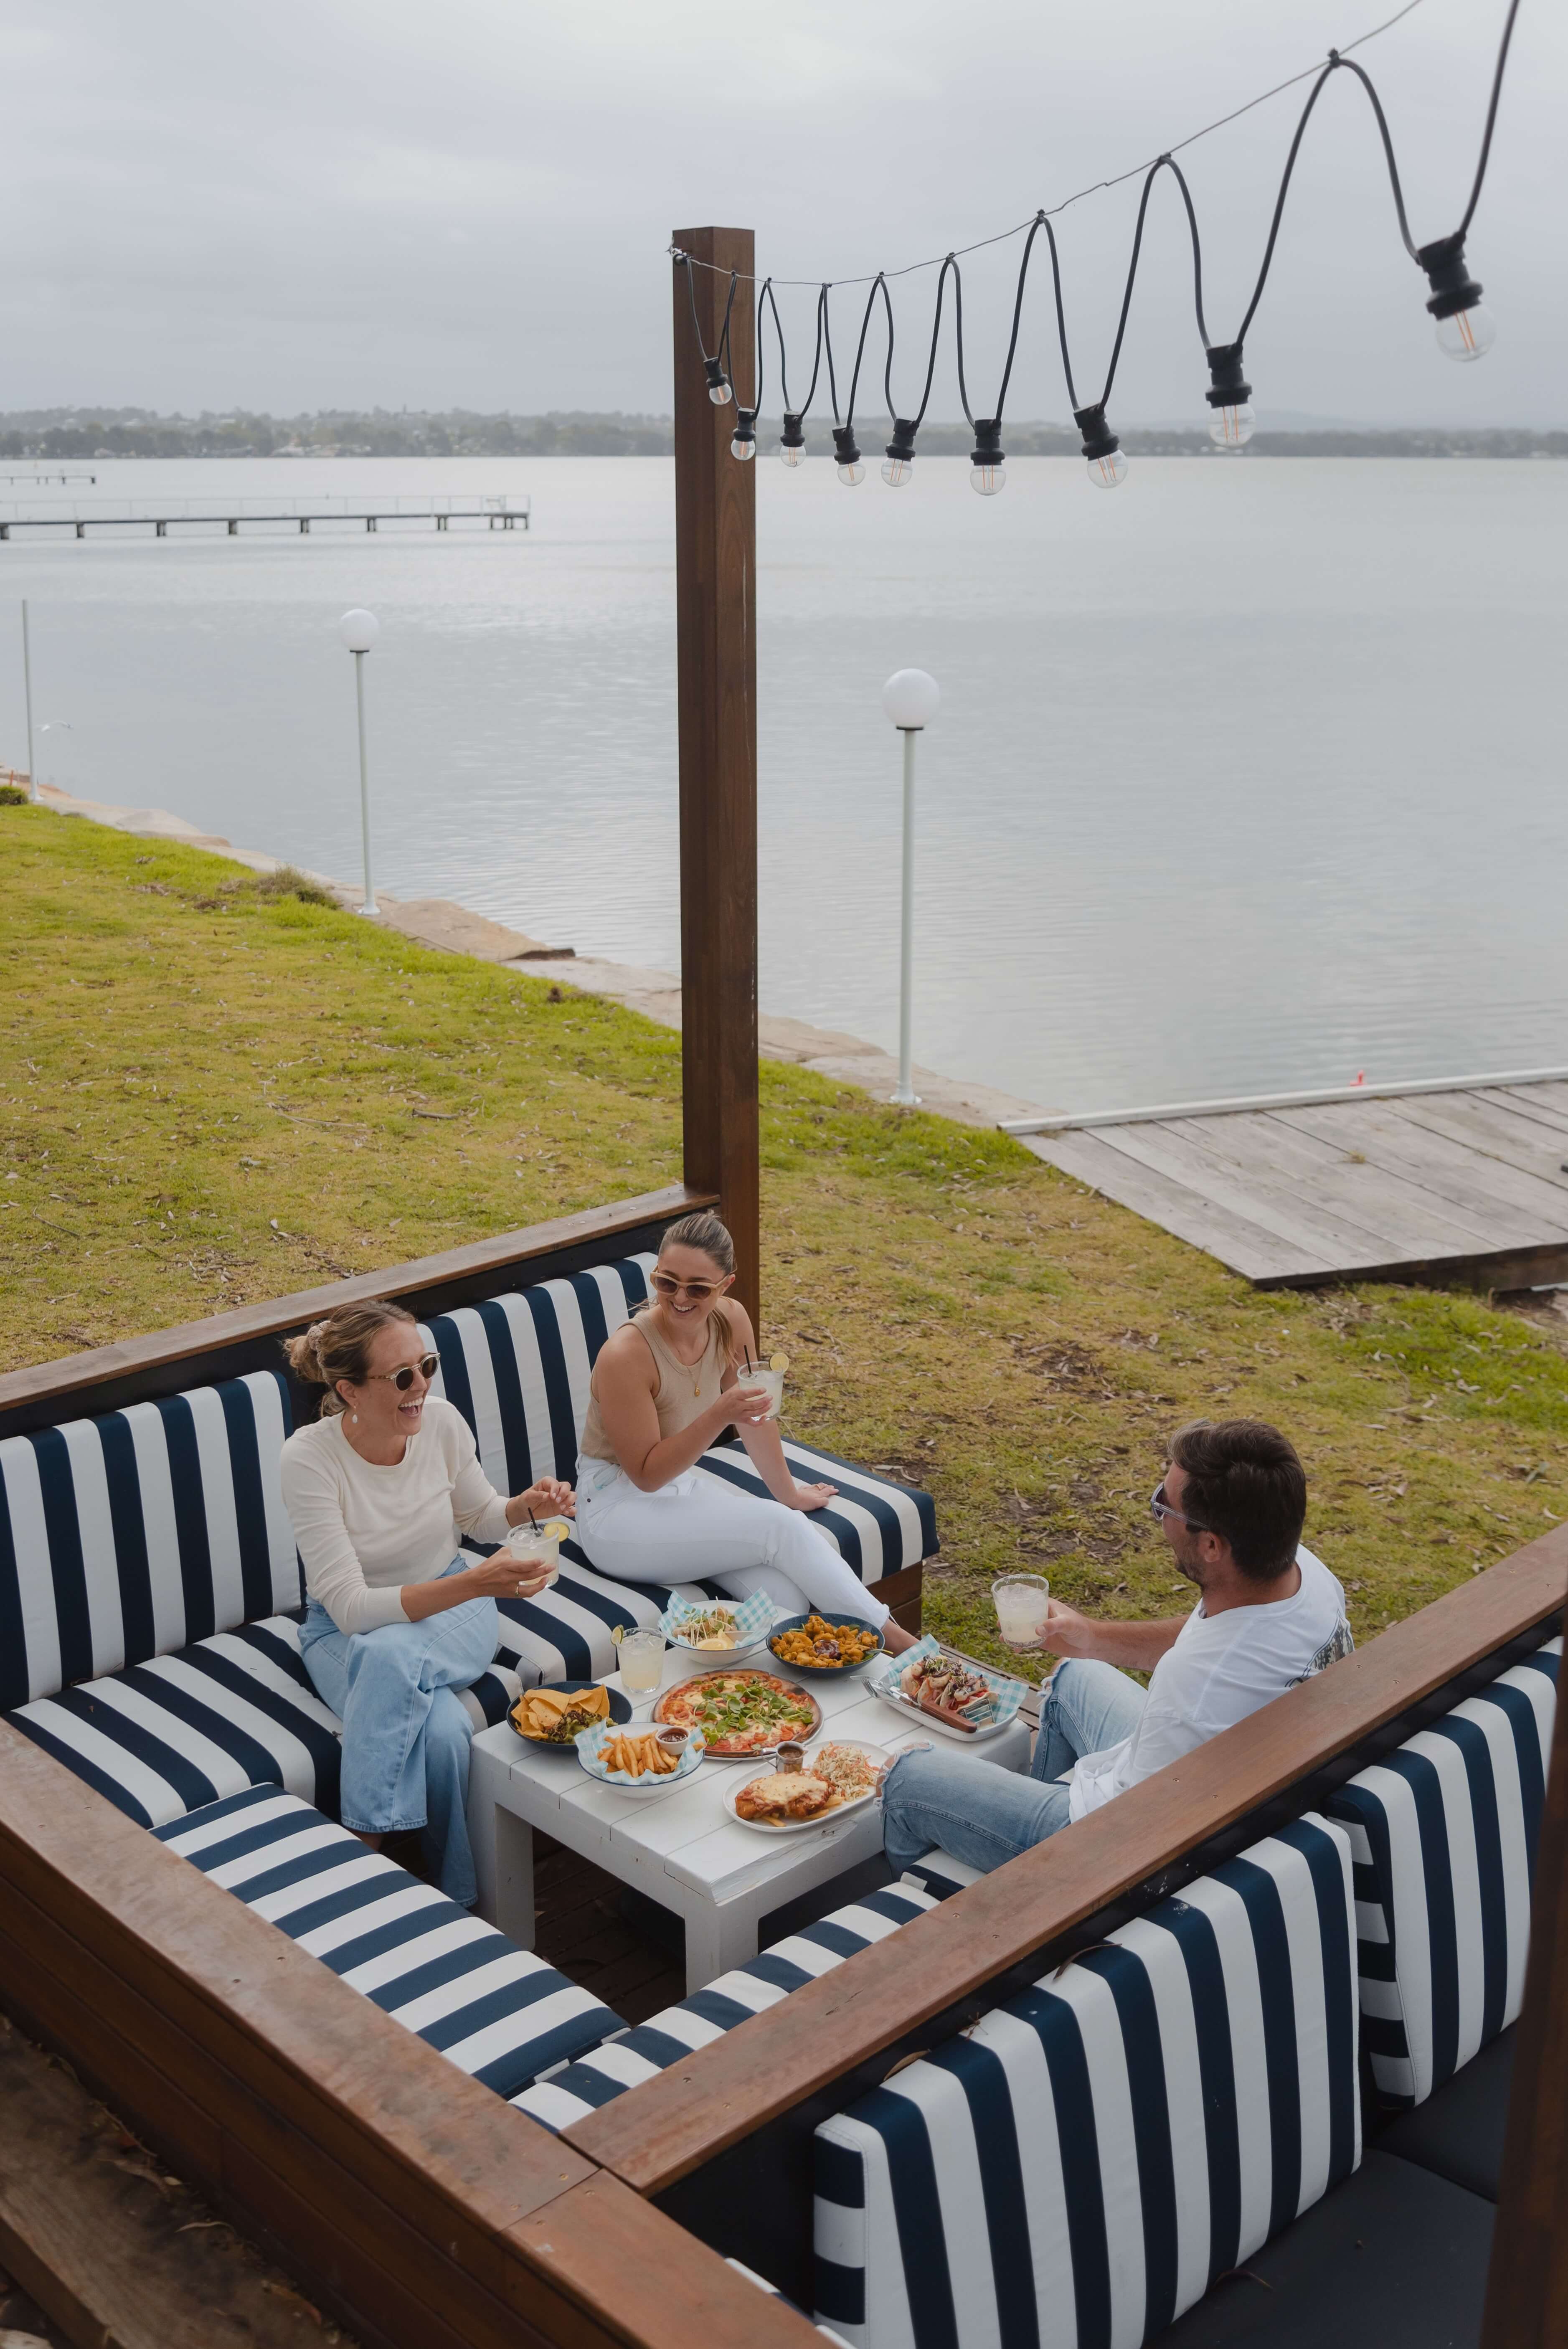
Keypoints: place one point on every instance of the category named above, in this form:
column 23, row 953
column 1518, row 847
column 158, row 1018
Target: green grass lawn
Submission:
column 215, row 1092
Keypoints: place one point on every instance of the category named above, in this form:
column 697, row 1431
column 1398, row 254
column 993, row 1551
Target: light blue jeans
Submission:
column 985, row 1814
column 405, row 1734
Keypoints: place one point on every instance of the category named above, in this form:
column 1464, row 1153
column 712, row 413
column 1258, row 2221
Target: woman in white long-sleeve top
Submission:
column 379, row 1491
column 665, row 1386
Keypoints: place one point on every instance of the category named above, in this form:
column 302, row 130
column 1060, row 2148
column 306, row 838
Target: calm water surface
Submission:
column 1247, row 777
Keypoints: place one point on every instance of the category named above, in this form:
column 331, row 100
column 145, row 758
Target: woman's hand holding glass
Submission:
column 747, row 1406
column 505, row 1577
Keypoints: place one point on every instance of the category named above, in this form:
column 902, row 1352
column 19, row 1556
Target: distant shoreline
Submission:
column 54, row 436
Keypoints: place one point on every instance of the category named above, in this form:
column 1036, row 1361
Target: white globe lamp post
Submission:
column 911, row 700
column 360, row 630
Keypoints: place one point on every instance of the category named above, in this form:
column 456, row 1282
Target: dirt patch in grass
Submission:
column 213, row 1091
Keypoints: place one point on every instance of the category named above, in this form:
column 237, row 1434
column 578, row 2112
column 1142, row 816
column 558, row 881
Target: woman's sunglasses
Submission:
column 665, row 1284
column 426, row 1366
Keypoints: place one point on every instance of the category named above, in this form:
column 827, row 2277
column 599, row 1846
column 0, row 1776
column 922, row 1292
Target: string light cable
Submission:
column 1465, row 328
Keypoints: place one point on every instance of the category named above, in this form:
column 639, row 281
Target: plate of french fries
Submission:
column 639, row 1761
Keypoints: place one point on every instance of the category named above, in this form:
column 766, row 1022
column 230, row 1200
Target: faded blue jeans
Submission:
column 405, row 1734
column 985, row 1814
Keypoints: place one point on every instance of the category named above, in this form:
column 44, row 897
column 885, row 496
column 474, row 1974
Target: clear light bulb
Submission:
column 851, row 475
column 895, row 471
column 791, row 457
column 1108, row 471
column 718, row 390
column 988, row 481
column 1231, row 428
column 744, row 450
column 1469, row 334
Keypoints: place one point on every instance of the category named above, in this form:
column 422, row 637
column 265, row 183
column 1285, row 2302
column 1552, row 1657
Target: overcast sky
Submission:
column 363, row 202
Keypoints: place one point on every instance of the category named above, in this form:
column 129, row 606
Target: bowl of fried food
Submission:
column 818, row 1643
column 721, row 1627
column 639, row 1761
column 556, row 1717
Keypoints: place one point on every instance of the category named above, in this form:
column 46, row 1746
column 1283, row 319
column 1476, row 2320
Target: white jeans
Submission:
column 697, row 1528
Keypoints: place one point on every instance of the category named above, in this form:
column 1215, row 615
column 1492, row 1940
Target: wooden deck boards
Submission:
column 1458, row 1186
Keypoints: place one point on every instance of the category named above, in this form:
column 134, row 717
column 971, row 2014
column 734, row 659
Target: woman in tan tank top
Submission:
column 664, row 1387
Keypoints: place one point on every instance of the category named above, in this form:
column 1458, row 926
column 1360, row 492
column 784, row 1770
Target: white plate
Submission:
column 917, row 1713
column 876, row 1753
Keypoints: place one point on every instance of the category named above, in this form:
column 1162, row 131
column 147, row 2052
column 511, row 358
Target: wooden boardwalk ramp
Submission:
column 1464, row 1183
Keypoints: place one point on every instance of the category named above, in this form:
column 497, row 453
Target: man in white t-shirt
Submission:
column 1232, row 1506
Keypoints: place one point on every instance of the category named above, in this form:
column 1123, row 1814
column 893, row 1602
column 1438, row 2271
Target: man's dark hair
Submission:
column 1244, row 1482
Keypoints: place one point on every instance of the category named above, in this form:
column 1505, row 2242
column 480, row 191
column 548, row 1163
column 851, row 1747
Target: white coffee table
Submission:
column 680, row 1847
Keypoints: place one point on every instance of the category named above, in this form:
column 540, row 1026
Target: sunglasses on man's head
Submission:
column 426, row 1366
column 666, row 1284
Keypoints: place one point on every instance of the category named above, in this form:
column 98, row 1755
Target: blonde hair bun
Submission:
column 338, row 1347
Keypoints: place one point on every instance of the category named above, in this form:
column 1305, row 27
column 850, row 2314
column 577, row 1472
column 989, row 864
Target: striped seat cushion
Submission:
column 1081, row 2165
column 1443, row 1833
column 178, row 1733
column 517, row 1367
column 939, row 1873
column 497, row 2012
column 669, row 2037
column 137, row 1533
column 775, row 2293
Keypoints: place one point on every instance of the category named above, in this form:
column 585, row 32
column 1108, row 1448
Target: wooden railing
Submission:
column 135, row 1369
column 953, row 1963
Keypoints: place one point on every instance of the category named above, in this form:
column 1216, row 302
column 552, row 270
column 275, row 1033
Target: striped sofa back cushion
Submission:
column 128, row 1536
column 1077, row 2169
column 517, row 1367
column 1443, row 1834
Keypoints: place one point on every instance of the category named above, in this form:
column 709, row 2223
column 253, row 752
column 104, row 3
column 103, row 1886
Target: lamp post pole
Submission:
column 358, row 630
column 911, row 699
column 28, row 696
column 906, row 1095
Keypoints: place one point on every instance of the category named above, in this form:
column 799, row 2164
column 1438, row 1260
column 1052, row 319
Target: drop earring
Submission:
column 354, row 1417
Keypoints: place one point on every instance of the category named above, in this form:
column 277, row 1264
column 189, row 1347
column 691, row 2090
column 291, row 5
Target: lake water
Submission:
column 1248, row 776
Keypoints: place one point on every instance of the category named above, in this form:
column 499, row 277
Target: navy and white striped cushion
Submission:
column 178, row 1733
column 133, row 1535
column 775, row 2293
column 1080, row 2166
column 517, row 1367
column 669, row 2037
column 939, row 1873
column 1443, row 1834
column 497, row 2012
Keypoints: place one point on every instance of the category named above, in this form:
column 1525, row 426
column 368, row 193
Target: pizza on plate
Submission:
column 740, row 1713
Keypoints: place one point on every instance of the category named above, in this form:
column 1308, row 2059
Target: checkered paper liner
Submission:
column 590, row 1745
column 884, row 1678
column 753, row 1619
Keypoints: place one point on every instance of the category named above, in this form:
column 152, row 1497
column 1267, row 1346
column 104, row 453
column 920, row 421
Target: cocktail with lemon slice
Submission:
column 535, row 1545
column 770, row 1375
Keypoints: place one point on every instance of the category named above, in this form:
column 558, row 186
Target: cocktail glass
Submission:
column 1020, row 1601
column 641, row 1663
column 537, row 1546
column 771, row 1380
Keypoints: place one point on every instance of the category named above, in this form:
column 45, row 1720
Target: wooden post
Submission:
column 715, row 604
column 1527, row 2288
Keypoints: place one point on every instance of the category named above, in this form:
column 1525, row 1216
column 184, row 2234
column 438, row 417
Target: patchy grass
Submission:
column 218, row 1089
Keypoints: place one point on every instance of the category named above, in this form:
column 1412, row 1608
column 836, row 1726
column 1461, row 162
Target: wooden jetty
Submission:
column 1461, row 1182
column 204, row 515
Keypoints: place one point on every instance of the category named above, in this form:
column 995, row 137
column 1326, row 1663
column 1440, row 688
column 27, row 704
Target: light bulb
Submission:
column 1230, row 419
column 744, row 446
column 849, row 467
column 1231, row 428
column 792, row 447
column 1466, row 329
column 900, row 462
column 987, row 467
column 1468, row 334
column 718, row 390
column 1102, row 449
column 791, row 457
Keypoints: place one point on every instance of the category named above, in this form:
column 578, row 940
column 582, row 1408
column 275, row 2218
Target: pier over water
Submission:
column 207, row 517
